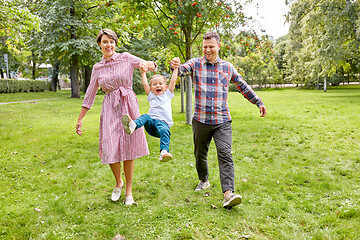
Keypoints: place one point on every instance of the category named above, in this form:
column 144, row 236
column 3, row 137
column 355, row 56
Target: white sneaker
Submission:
column 129, row 124
column 129, row 200
column 202, row 185
column 116, row 194
column 165, row 156
column 231, row 200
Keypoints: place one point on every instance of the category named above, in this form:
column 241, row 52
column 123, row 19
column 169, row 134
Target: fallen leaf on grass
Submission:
column 37, row 209
column 245, row 236
column 207, row 194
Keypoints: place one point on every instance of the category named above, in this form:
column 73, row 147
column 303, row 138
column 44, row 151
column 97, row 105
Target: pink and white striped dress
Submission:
column 114, row 76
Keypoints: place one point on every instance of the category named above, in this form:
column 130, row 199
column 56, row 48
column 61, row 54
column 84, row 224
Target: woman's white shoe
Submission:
column 116, row 194
column 129, row 200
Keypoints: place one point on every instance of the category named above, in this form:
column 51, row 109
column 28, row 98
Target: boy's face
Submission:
column 211, row 49
column 158, row 86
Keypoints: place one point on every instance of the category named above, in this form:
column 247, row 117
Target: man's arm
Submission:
column 184, row 69
column 247, row 91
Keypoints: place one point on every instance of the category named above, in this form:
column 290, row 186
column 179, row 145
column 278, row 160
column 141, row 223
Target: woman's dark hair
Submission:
column 108, row 32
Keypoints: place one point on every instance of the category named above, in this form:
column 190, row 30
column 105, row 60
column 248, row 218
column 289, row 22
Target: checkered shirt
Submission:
column 211, row 84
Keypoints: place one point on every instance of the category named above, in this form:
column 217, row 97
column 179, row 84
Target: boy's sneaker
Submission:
column 165, row 156
column 231, row 200
column 202, row 185
column 129, row 124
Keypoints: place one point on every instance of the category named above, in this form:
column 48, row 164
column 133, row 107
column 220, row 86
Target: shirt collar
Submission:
column 103, row 60
column 207, row 61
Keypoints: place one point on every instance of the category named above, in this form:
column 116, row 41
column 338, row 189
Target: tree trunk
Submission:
column 87, row 77
column 2, row 73
column 34, row 65
column 182, row 88
column 188, row 80
column 55, row 76
column 74, row 61
column 74, row 77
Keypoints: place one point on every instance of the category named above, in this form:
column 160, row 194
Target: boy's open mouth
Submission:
column 158, row 90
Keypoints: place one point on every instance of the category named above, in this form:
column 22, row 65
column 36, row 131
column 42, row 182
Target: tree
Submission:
column 15, row 22
column 181, row 22
column 323, row 40
column 68, row 32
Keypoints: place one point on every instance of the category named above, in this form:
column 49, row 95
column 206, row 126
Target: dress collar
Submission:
column 103, row 60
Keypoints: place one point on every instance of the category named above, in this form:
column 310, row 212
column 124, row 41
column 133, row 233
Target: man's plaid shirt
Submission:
column 211, row 84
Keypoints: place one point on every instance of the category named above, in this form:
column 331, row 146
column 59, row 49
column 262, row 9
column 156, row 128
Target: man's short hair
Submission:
column 211, row 35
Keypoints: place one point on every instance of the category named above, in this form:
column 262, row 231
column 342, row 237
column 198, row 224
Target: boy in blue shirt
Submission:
column 159, row 120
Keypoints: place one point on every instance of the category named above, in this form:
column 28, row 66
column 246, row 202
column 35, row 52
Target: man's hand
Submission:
column 175, row 62
column 262, row 111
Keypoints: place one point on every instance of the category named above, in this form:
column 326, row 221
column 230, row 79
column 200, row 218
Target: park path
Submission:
column 26, row 101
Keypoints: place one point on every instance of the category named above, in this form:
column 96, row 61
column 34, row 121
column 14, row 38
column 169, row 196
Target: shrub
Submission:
column 13, row 86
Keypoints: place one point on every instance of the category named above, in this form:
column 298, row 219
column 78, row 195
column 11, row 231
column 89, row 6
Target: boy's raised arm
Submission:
column 145, row 83
column 173, row 79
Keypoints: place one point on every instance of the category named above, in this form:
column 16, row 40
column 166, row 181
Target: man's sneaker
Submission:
column 231, row 200
column 129, row 124
column 202, row 185
column 165, row 156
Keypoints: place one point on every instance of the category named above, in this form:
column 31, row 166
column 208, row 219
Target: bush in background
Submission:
column 13, row 86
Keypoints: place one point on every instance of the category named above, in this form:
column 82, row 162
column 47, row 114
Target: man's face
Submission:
column 211, row 49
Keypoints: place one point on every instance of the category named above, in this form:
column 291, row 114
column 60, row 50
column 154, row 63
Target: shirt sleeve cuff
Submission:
column 156, row 67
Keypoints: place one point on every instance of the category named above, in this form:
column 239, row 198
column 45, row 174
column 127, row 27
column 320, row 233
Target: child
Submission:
column 159, row 120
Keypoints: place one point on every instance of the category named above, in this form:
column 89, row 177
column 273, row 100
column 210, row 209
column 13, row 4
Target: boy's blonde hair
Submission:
column 158, row 76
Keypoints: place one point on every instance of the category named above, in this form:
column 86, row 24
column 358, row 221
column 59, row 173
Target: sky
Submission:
column 270, row 14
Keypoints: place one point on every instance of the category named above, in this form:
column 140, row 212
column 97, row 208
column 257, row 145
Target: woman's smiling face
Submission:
column 107, row 46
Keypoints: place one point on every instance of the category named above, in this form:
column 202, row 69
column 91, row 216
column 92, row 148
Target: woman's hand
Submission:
column 143, row 67
column 78, row 127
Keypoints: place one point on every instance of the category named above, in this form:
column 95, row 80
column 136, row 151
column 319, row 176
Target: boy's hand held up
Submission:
column 175, row 62
column 143, row 67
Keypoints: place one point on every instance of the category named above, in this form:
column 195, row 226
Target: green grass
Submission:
column 297, row 170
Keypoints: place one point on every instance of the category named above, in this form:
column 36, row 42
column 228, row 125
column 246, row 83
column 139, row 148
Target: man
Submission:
column 211, row 77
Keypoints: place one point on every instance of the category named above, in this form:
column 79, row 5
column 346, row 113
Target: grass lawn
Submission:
column 297, row 170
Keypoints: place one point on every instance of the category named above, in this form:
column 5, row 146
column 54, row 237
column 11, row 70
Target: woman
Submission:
column 114, row 75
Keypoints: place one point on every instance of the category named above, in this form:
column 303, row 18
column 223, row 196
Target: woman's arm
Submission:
column 82, row 114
